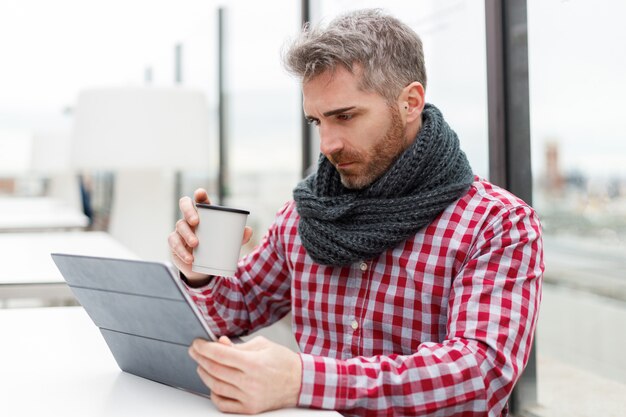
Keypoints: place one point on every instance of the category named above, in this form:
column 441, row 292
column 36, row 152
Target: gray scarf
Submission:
column 339, row 226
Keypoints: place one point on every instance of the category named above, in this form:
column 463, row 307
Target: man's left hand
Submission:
column 250, row 377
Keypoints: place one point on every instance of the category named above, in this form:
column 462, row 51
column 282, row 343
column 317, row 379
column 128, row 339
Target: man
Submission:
column 414, row 286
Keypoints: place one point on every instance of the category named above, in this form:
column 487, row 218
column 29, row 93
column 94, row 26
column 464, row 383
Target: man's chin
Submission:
column 353, row 182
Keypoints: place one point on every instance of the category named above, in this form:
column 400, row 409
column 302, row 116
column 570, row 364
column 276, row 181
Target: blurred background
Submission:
column 184, row 112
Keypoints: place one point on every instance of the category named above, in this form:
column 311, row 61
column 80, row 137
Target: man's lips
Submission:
column 343, row 165
column 341, row 161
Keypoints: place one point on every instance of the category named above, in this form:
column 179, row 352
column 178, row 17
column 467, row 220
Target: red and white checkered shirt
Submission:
column 439, row 325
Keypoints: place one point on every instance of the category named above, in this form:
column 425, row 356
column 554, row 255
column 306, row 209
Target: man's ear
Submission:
column 411, row 102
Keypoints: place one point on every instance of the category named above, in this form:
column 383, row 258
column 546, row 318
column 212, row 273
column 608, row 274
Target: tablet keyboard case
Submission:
column 142, row 314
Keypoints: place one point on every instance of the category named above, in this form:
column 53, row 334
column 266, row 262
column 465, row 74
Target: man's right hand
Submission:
column 183, row 239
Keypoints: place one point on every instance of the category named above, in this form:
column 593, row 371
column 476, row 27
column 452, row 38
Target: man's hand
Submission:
column 250, row 377
column 182, row 240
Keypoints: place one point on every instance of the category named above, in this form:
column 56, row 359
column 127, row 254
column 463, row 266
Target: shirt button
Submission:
column 363, row 266
column 354, row 325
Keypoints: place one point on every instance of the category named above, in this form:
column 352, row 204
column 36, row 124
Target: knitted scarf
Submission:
column 339, row 226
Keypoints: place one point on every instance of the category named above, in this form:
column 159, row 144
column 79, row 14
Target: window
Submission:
column 577, row 87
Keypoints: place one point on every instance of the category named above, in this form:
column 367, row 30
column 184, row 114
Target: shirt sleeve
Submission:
column 492, row 312
column 257, row 296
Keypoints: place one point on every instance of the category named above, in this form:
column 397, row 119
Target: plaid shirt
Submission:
column 439, row 325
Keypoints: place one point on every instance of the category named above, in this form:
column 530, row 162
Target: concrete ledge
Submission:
column 566, row 391
column 581, row 366
column 583, row 330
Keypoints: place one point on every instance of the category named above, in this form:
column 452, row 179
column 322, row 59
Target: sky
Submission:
column 578, row 81
column 50, row 51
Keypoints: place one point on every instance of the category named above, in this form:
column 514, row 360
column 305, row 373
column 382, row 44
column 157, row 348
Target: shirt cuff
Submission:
column 191, row 285
column 202, row 297
column 324, row 382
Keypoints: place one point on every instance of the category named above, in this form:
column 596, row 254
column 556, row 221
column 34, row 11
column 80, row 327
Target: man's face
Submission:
column 360, row 134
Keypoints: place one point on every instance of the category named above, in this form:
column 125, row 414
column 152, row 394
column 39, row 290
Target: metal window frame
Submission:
column 307, row 160
column 222, row 134
column 509, row 132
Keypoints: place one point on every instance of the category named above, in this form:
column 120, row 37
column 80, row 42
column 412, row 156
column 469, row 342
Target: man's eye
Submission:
column 344, row 117
column 313, row 122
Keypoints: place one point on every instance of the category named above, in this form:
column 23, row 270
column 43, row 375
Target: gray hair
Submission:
column 389, row 52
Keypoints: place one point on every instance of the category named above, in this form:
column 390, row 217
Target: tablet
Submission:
column 145, row 315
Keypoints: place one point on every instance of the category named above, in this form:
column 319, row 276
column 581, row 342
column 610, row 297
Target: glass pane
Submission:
column 577, row 85
column 263, row 109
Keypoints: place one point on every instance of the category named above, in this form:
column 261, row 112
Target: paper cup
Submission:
column 219, row 233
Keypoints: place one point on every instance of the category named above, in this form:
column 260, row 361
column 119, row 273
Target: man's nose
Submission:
column 330, row 141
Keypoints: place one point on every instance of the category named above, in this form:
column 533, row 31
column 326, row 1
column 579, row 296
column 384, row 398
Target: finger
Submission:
column 220, row 353
column 226, row 405
column 179, row 249
column 256, row 343
column 201, row 196
column 186, row 232
column 182, row 264
column 219, row 387
column 247, row 234
column 188, row 209
column 225, row 340
column 197, row 353
column 228, row 375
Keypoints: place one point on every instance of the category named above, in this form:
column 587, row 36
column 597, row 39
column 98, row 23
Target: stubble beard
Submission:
column 378, row 159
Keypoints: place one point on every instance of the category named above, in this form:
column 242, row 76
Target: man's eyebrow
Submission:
column 337, row 111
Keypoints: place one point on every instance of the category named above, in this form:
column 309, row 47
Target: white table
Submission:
column 39, row 214
column 54, row 362
column 27, row 270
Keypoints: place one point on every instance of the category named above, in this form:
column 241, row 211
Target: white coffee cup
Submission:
column 219, row 233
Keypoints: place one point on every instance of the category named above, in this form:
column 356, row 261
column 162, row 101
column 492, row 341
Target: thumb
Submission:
column 256, row 343
column 225, row 341
column 247, row 235
column 201, row 196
